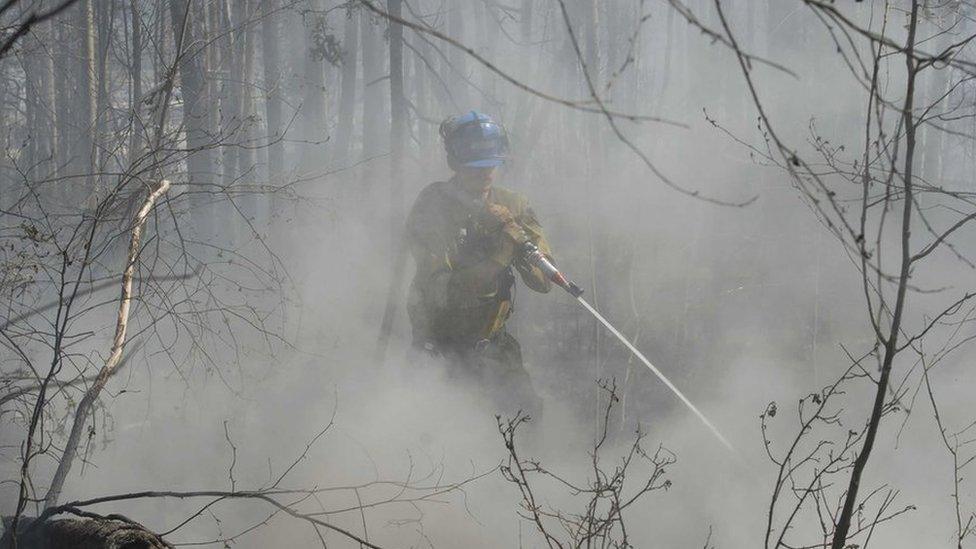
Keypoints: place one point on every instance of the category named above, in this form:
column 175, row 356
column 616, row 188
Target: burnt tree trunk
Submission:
column 104, row 21
column 200, row 168
column 102, row 533
column 82, row 158
column 135, row 73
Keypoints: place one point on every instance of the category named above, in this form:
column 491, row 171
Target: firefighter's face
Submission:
column 477, row 180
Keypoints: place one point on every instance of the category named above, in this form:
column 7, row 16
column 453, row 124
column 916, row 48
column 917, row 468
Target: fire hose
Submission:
column 533, row 256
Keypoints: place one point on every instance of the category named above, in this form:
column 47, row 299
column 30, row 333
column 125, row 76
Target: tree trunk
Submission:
column 560, row 73
column 159, row 62
column 213, row 58
column 939, row 82
column 457, row 58
column 272, row 84
column 313, row 104
column 591, row 133
column 49, row 139
column 398, row 119
column 489, row 30
column 30, row 62
column 398, row 110
column 347, row 94
column 232, row 53
column 374, row 109
column 83, row 154
column 86, row 534
column 420, row 96
column 526, row 105
column 135, row 73
column 238, row 159
column 245, row 153
column 63, row 94
column 200, row 168
column 40, row 101
column 105, row 22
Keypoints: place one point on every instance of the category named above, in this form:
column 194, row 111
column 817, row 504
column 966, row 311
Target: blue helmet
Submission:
column 474, row 140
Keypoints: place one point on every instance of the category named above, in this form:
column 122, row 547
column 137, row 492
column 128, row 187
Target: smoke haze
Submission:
column 739, row 305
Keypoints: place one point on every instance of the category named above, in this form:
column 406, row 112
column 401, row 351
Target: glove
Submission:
column 508, row 224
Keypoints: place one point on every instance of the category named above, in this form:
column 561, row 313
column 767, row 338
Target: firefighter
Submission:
column 467, row 236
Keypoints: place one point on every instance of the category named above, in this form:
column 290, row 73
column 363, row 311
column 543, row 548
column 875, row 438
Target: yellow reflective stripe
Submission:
column 500, row 317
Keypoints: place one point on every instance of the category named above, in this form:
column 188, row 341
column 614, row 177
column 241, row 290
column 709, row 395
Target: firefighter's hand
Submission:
column 509, row 225
column 501, row 213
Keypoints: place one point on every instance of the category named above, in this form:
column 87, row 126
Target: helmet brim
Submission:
column 486, row 163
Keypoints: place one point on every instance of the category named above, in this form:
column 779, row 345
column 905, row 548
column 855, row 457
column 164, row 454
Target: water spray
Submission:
column 535, row 257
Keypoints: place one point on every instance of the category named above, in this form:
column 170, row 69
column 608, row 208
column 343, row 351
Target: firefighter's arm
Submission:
column 445, row 276
column 430, row 250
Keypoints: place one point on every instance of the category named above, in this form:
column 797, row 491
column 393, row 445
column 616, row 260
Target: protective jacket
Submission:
column 462, row 291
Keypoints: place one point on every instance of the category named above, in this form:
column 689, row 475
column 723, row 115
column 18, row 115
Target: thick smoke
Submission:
column 740, row 306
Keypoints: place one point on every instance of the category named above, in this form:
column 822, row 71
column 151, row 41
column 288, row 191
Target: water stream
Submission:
column 658, row 373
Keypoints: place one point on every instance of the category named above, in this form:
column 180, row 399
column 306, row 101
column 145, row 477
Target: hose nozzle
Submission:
column 535, row 257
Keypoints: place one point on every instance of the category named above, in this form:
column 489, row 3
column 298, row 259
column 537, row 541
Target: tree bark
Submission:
column 271, row 66
column 135, row 74
column 272, row 83
column 40, row 108
column 398, row 120
column 210, row 18
column 526, row 105
column 83, row 155
column 374, row 109
column 63, row 94
column 245, row 152
column 200, row 168
column 347, row 93
column 420, row 96
column 939, row 81
column 232, row 54
column 104, row 19
column 398, row 110
column 49, row 140
column 30, row 62
column 87, row 534
column 313, row 112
